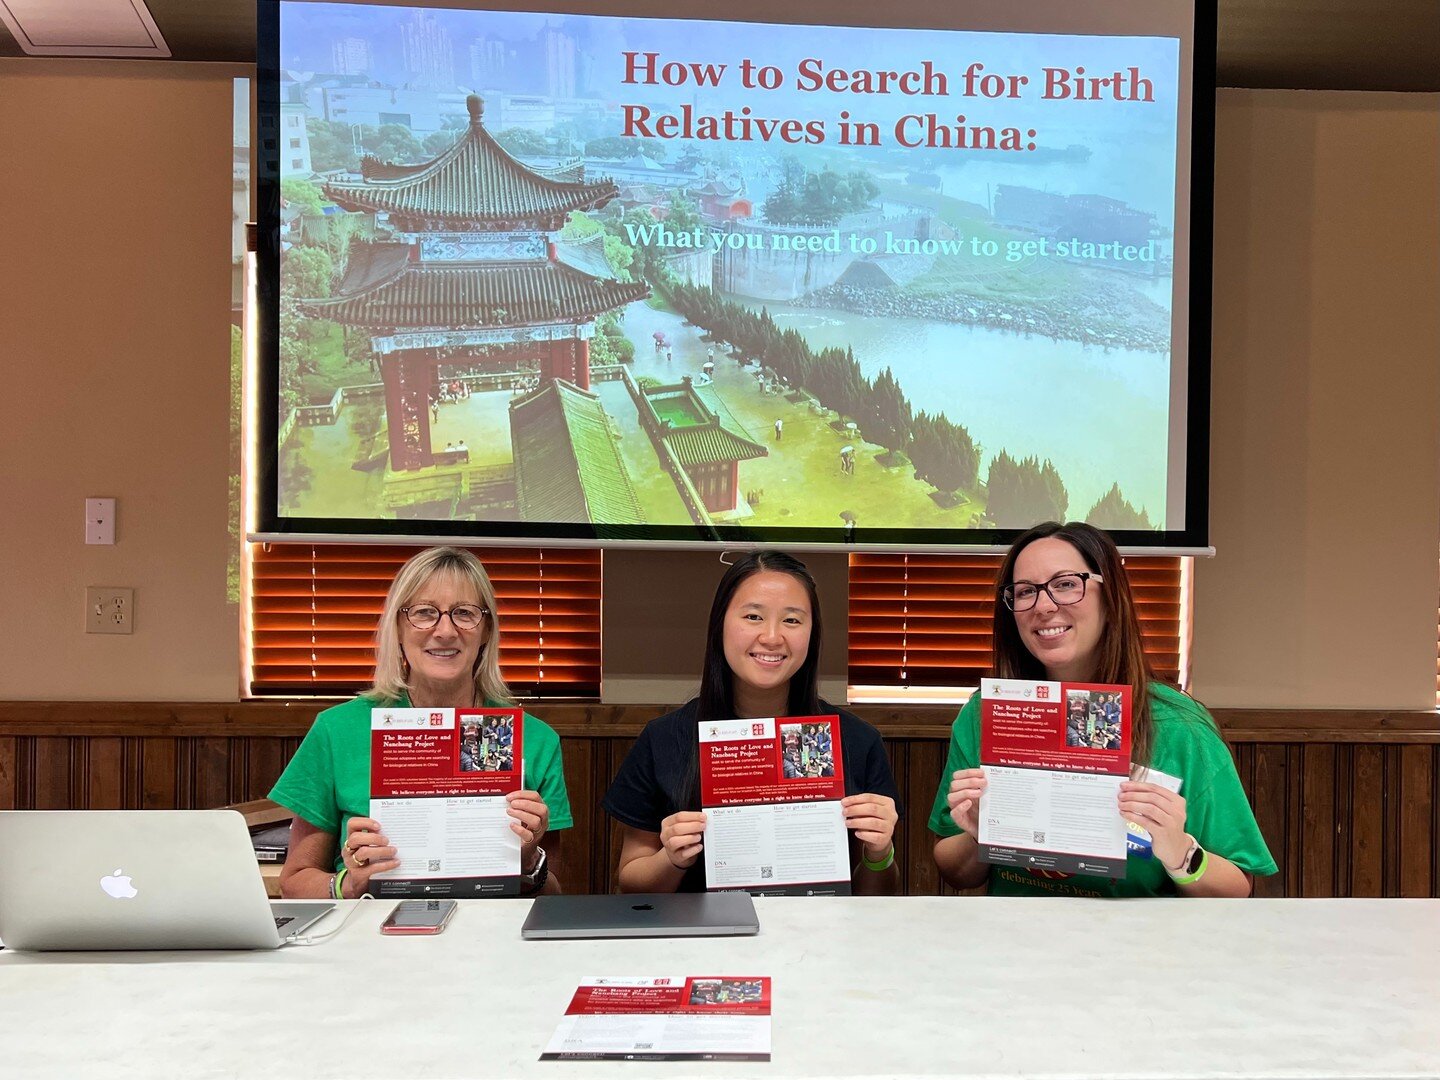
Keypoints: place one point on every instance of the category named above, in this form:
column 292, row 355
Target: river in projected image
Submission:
column 1026, row 395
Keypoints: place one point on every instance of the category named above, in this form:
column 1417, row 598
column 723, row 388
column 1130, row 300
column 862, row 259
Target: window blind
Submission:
column 924, row 620
column 314, row 607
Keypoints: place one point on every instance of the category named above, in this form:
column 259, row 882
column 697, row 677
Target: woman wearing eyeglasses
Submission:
column 1064, row 612
column 437, row 646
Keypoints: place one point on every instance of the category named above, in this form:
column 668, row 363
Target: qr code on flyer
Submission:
column 1039, row 837
column 766, row 873
column 434, row 865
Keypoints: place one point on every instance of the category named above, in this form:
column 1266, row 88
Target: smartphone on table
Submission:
column 418, row 917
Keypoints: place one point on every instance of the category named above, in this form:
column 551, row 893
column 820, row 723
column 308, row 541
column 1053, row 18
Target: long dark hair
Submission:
column 717, row 690
column 1120, row 653
column 716, row 700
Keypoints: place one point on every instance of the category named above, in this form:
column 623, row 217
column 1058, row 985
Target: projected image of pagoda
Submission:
column 465, row 295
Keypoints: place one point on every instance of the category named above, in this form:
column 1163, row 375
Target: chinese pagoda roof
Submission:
column 383, row 289
column 708, row 441
column 475, row 183
column 704, row 444
column 567, row 463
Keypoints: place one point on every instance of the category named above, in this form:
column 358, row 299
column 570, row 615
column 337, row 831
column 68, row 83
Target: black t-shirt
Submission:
column 660, row 777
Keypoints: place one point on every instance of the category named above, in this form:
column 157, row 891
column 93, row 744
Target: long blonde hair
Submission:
column 391, row 668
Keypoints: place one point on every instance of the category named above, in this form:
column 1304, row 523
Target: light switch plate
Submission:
column 109, row 609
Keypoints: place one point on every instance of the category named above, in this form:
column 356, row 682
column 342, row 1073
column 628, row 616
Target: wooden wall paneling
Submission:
column 1349, row 804
column 159, row 774
column 1270, row 798
column 579, row 757
column 898, row 751
column 924, row 761
column 604, row 850
column 104, row 774
column 608, row 859
column 265, row 760
column 53, row 774
column 1343, row 786
column 1317, row 822
column 9, row 773
column 1367, row 822
column 210, row 777
column 1417, row 820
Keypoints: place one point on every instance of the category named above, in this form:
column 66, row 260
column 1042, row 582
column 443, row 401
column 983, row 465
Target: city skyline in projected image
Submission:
column 582, row 272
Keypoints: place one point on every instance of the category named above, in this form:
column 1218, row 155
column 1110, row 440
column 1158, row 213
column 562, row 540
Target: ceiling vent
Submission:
column 84, row 28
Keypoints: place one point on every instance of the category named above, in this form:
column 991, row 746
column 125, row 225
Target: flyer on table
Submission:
column 666, row 1018
column 438, row 781
column 1054, row 756
column 771, row 792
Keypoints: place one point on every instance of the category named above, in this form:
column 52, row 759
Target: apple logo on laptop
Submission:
column 118, row 885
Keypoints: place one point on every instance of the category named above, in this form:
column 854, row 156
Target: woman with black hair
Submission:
column 762, row 655
column 1064, row 613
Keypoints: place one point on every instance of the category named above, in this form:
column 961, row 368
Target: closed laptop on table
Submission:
column 138, row 879
column 642, row 915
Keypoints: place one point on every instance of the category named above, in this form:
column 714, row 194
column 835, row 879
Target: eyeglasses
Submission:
column 462, row 616
column 1066, row 588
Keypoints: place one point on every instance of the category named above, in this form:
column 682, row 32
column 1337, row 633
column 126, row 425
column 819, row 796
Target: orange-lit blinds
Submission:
column 314, row 608
column 924, row 620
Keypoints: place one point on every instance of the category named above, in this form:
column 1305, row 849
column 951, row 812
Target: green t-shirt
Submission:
column 328, row 780
column 1186, row 744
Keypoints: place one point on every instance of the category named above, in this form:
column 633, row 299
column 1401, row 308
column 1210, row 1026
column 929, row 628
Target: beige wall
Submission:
column 115, row 278
column 117, row 310
column 1325, row 493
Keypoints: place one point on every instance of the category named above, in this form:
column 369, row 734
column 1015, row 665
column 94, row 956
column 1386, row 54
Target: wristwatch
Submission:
column 1194, row 856
column 539, row 874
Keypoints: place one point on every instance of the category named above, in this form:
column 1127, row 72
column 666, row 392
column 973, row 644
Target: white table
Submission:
column 862, row 987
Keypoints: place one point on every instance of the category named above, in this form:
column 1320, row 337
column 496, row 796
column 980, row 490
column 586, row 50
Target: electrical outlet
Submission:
column 109, row 610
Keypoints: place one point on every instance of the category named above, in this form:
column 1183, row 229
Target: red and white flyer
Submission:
column 771, row 792
column 438, row 781
column 669, row 1018
column 1054, row 756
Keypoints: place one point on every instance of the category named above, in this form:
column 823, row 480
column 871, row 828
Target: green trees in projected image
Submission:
column 616, row 148
column 437, row 142
column 621, row 256
column 610, row 345
column 338, row 146
column 646, row 263
column 942, row 451
column 1024, row 492
column 522, row 142
column 1111, row 511
column 684, row 215
column 307, row 274
column 332, row 145
column 817, row 198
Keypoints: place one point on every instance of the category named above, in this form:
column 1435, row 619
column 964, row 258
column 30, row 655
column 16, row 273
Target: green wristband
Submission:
column 883, row 864
column 340, row 883
column 1190, row 879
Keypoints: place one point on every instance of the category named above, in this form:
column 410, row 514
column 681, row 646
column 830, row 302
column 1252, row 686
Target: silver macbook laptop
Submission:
column 138, row 879
column 642, row 915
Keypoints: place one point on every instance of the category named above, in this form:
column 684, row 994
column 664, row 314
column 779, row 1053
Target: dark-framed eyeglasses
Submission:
column 1065, row 588
column 462, row 616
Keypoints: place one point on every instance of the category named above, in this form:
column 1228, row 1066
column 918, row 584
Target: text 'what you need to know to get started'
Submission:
column 837, row 242
column 811, row 75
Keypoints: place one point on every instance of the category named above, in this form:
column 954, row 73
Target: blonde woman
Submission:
column 437, row 646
